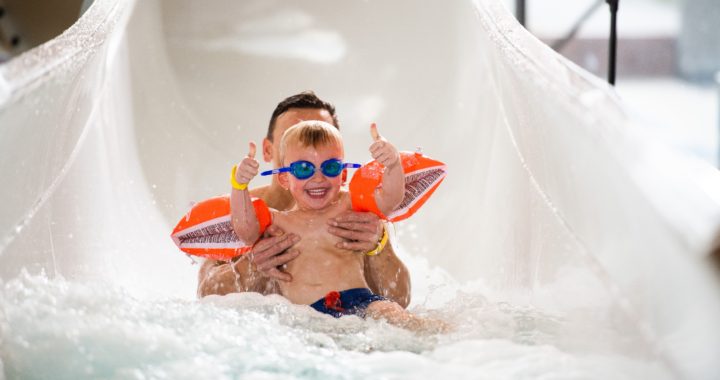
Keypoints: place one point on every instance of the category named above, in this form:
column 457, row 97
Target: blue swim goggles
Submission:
column 305, row 169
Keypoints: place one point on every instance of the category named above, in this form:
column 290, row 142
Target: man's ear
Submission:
column 267, row 150
column 284, row 181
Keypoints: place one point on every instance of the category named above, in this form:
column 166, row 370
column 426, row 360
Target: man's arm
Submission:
column 385, row 273
column 256, row 271
column 217, row 277
column 388, row 276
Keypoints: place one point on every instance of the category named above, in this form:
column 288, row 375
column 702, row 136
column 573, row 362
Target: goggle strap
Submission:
column 275, row 171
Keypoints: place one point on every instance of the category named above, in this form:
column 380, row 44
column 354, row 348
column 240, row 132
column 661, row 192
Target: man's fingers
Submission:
column 362, row 246
column 278, row 274
column 354, row 235
column 273, row 246
column 355, row 216
column 274, row 230
column 278, row 260
column 276, row 241
column 374, row 132
column 276, row 246
column 251, row 153
column 356, row 226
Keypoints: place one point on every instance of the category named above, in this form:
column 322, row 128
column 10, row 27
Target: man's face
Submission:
column 271, row 150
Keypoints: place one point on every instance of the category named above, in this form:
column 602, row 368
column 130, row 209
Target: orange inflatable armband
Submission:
column 206, row 229
column 422, row 176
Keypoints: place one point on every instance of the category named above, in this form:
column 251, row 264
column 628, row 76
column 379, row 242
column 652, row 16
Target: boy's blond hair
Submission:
column 310, row 133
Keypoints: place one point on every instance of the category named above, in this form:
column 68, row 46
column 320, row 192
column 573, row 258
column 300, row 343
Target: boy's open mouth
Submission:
column 317, row 193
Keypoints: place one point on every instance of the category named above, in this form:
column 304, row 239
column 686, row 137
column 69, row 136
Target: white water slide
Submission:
column 553, row 199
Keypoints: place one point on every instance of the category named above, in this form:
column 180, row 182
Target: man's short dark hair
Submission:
column 305, row 99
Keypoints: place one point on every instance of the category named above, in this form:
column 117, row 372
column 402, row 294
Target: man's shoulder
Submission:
column 260, row 192
column 344, row 195
column 274, row 197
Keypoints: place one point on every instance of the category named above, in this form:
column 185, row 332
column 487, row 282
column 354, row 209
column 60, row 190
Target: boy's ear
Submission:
column 283, row 180
column 267, row 150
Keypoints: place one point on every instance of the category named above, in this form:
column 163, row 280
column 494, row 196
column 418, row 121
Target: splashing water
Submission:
column 60, row 329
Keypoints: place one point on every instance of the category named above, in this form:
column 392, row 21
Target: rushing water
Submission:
column 52, row 328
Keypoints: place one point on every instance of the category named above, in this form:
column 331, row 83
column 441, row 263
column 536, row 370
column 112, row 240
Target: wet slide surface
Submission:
column 563, row 244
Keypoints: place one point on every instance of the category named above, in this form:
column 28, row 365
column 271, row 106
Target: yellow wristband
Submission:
column 234, row 182
column 381, row 244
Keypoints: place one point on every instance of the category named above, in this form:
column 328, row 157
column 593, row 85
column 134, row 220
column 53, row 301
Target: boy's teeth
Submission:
column 316, row 191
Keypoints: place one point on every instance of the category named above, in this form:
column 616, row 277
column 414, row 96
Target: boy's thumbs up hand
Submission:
column 251, row 153
column 247, row 169
column 374, row 132
column 382, row 150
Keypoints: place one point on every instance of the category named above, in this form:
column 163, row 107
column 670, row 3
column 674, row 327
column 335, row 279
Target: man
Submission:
column 260, row 269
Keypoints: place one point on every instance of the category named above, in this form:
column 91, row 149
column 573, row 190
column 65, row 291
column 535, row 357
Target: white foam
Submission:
column 85, row 330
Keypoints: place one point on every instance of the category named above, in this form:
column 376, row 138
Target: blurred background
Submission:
column 668, row 54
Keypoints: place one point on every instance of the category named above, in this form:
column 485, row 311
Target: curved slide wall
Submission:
column 111, row 130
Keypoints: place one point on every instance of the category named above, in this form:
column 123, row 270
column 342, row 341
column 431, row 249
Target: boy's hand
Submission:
column 248, row 168
column 382, row 150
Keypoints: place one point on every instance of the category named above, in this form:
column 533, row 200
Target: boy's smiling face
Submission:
column 318, row 191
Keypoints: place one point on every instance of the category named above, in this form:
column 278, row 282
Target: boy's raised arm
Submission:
column 244, row 220
column 391, row 193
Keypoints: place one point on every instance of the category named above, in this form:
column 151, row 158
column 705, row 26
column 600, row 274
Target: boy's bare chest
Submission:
column 312, row 227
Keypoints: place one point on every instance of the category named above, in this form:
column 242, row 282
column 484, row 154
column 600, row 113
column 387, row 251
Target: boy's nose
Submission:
column 317, row 176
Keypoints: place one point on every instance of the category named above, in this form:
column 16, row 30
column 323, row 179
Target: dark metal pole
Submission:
column 520, row 11
column 612, row 51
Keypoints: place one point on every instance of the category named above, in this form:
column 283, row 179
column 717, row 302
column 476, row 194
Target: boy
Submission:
column 327, row 278
column 385, row 273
